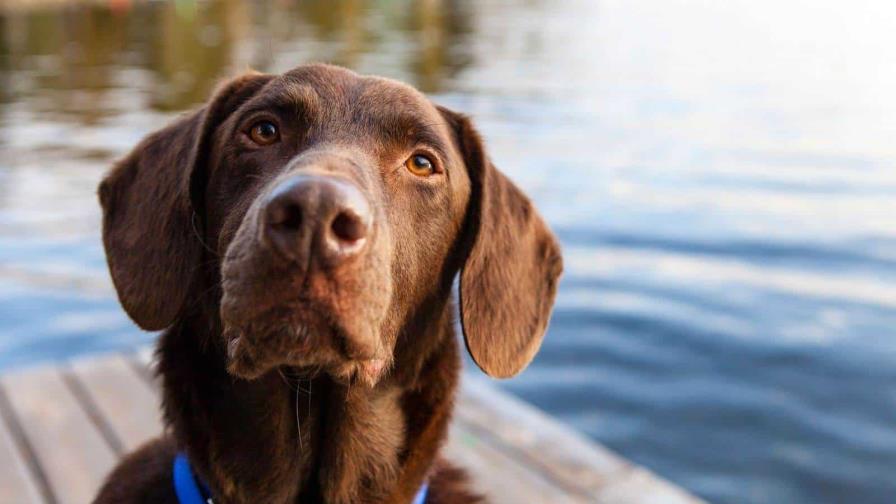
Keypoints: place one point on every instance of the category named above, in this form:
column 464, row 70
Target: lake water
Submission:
column 722, row 176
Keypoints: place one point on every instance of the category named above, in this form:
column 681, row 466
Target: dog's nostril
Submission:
column 348, row 227
column 286, row 217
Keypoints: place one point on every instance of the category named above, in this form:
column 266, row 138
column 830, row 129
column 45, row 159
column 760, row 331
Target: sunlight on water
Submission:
column 721, row 174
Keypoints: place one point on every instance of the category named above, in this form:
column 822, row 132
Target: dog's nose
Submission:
column 309, row 214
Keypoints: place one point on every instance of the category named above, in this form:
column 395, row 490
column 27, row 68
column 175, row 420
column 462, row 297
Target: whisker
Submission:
column 309, row 397
column 285, row 380
column 299, row 425
column 199, row 236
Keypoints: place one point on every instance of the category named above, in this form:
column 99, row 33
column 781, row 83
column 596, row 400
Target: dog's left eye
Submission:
column 264, row 133
column 420, row 165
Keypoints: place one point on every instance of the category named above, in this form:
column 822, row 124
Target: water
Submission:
column 721, row 176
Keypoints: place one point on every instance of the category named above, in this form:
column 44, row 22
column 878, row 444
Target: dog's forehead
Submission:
column 339, row 95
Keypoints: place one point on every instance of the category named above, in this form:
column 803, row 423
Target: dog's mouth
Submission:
column 303, row 338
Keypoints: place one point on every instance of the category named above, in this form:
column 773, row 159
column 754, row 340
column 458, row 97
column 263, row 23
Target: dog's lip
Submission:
column 252, row 350
column 236, row 337
column 240, row 360
column 300, row 317
column 299, row 334
column 244, row 362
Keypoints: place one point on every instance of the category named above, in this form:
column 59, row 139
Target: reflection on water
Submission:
column 176, row 52
column 722, row 178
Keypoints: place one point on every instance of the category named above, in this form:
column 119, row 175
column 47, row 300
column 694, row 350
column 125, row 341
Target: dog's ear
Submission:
column 508, row 281
column 151, row 244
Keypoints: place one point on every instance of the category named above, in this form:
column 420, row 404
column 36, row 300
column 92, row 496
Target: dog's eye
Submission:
column 420, row 165
column 264, row 133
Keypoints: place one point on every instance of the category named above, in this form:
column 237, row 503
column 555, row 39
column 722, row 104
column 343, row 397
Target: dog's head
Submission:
column 332, row 207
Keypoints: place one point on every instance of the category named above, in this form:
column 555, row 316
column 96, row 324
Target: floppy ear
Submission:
column 151, row 244
column 509, row 279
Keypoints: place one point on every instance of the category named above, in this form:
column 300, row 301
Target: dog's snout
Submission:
column 318, row 215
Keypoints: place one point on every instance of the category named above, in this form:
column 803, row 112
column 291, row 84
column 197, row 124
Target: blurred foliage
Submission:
column 178, row 50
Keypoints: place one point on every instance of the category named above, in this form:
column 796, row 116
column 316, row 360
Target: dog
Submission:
column 297, row 239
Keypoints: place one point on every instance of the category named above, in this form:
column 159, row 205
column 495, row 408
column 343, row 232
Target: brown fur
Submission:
column 311, row 379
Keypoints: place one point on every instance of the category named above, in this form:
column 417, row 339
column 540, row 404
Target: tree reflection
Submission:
column 69, row 61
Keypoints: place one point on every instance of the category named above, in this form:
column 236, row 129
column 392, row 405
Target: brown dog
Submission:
column 297, row 238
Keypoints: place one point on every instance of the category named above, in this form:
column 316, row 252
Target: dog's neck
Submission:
column 358, row 444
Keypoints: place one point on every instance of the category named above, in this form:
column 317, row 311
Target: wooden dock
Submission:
column 63, row 427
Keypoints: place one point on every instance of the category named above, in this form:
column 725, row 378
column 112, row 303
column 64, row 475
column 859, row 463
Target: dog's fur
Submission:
column 315, row 382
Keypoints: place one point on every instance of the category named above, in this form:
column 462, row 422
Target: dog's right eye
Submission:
column 264, row 133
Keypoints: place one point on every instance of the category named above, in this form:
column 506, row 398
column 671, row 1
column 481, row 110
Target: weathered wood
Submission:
column 143, row 362
column 568, row 458
column 496, row 474
column 639, row 486
column 17, row 485
column 73, row 453
column 145, row 357
column 126, row 401
column 76, row 418
column 557, row 453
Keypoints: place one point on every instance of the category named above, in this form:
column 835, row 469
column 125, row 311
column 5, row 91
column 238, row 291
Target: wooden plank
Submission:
column 73, row 453
column 496, row 475
column 639, row 486
column 514, row 452
column 124, row 399
column 573, row 462
column 570, row 459
column 16, row 483
column 146, row 357
column 494, row 472
column 144, row 362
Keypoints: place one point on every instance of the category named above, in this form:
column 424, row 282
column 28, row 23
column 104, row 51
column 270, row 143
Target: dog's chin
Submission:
column 305, row 349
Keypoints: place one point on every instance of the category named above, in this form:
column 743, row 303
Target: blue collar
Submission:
column 188, row 490
column 191, row 490
column 420, row 498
